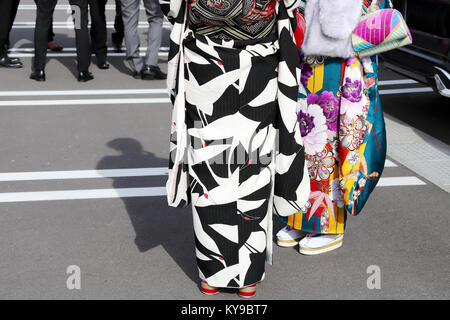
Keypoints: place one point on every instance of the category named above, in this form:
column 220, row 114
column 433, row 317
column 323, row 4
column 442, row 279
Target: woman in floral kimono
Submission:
column 233, row 79
column 336, row 92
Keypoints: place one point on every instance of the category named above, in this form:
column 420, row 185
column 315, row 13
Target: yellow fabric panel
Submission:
column 315, row 83
column 341, row 219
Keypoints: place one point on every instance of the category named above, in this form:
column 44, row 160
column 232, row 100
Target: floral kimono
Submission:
column 343, row 131
column 231, row 99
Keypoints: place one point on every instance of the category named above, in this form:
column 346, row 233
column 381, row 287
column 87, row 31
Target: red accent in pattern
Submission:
column 376, row 137
column 206, row 195
column 246, row 218
column 219, row 63
column 254, row 13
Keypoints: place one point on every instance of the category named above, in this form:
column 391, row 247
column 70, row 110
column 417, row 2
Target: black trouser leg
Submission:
column 44, row 14
column 80, row 10
column 117, row 36
column 98, row 29
column 51, row 34
column 6, row 7
column 15, row 6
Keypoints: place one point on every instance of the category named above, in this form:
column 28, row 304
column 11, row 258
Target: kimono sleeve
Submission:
column 292, row 184
column 291, row 5
column 171, row 8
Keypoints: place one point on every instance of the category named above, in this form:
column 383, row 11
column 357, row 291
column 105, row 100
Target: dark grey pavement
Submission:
column 138, row 248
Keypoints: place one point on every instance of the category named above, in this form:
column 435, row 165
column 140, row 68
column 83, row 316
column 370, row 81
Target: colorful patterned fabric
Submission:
column 230, row 99
column 380, row 31
column 232, row 19
column 343, row 130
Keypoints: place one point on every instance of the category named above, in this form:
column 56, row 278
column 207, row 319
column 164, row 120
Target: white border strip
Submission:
column 82, row 174
column 82, row 102
column 82, row 194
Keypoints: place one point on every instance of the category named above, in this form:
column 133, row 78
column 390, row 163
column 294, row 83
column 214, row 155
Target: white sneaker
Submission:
column 289, row 237
column 320, row 243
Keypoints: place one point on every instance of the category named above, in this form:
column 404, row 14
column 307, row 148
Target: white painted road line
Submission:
column 72, row 49
column 77, row 102
column 395, row 82
column 82, row 194
column 62, row 55
column 70, row 26
column 389, row 164
column 405, row 90
column 64, row 7
column 82, row 174
column 141, row 192
column 81, row 92
column 400, row 181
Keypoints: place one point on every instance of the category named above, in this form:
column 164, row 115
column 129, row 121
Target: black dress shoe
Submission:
column 85, row 76
column 136, row 75
column 53, row 46
column 117, row 42
column 118, row 47
column 103, row 65
column 38, row 75
column 152, row 72
column 7, row 62
column 14, row 59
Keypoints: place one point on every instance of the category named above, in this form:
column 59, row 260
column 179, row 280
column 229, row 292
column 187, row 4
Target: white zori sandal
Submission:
column 289, row 237
column 320, row 243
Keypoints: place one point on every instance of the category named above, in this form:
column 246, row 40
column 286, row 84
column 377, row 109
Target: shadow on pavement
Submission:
column 153, row 221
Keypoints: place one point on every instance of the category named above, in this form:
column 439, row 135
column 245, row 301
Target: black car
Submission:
column 427, row 59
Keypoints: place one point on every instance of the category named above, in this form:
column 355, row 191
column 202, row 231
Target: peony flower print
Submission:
column 313, row 128
column 330, row 106
column 306, row 69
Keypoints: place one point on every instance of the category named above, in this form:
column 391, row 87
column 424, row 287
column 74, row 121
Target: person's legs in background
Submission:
column 44, row 12
column 155, row 19
column 7, row 14
column 81, row 20
column 130, row 15
column 14, row 8
column 52, row 45
column 98, row 31
column 118, row 35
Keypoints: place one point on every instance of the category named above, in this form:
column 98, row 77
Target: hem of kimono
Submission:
column 307, row 230
column 248, row 285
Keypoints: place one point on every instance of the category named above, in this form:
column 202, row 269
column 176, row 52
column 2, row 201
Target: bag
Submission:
column 380, row 31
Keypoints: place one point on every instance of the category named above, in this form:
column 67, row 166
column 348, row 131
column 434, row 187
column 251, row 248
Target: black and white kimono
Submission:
column 232, row 100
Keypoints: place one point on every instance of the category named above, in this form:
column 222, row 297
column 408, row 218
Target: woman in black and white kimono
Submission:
column 233, row 79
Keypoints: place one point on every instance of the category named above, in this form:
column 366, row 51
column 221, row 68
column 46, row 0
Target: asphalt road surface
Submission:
column 82, row 171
